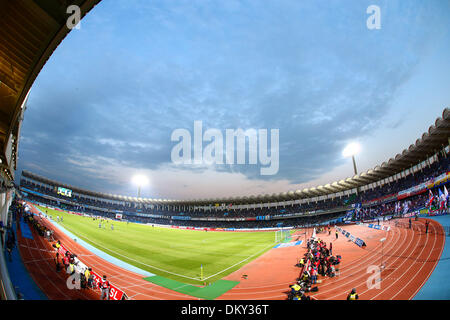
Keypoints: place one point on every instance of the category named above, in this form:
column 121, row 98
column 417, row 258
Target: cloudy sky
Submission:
column 106, row 103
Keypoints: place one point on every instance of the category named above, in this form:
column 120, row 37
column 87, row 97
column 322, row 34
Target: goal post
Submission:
column 282, row 235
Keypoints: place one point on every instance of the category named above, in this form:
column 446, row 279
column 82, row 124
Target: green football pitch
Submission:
column 172, row 253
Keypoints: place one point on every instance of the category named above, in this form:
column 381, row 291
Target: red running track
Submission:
column 409, row 257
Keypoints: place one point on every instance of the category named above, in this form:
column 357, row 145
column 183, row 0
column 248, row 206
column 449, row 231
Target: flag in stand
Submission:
column 430, row 199
column 441, row 200
column 446, row 196
column 405, row 207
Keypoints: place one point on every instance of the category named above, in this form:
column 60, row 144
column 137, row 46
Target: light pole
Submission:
column 140, row 181
column 350, row 151
column 354, row 164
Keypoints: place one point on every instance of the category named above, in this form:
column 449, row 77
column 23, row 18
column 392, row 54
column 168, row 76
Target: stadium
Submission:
column 379, row 234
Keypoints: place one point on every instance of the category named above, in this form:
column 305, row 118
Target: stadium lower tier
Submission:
column 417, row 203
column 231, row 222
column 405, row 259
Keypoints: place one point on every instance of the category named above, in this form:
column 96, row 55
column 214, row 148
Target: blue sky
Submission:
column 104, row 106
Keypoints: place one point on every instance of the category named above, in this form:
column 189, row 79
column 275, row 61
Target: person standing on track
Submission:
column 57, row 245
column 105, row 287
column 337, row 235
column 90, row 281
column 426, row 226
column 353, row 295
column 66, row 261
column 314, row 275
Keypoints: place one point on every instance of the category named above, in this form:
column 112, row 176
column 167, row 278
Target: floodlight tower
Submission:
column 350, row 151
column 140, row 181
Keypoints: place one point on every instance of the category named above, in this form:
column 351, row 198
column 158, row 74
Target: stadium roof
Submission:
column 430, row 143
column 30, row 30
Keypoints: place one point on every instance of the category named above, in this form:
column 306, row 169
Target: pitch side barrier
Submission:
column 358, row 241
column 227, row 229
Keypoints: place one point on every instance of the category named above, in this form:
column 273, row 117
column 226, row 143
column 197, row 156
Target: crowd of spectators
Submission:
column 317, row 261
column 83, row 278
column 372, row 212
column 434, row 169
column 40, row 228
column 135, row 212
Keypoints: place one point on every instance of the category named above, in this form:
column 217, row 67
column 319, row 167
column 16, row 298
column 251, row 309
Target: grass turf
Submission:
column 171, row 253
column 209, row 292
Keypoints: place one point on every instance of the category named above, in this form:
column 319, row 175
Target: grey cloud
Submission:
column 243, row 65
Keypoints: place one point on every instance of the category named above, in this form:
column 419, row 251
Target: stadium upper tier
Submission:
column 417, row 158
column 426, row 176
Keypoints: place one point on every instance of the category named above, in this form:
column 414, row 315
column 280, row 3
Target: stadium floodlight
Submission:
column 141, row 181
column 350, row 151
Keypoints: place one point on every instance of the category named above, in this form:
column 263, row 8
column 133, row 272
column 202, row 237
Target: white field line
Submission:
column 165, row 271
column 140, row 262
column 238, row 262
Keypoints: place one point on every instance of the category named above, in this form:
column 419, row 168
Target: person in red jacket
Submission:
column 66, row 262
column 105, row 288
